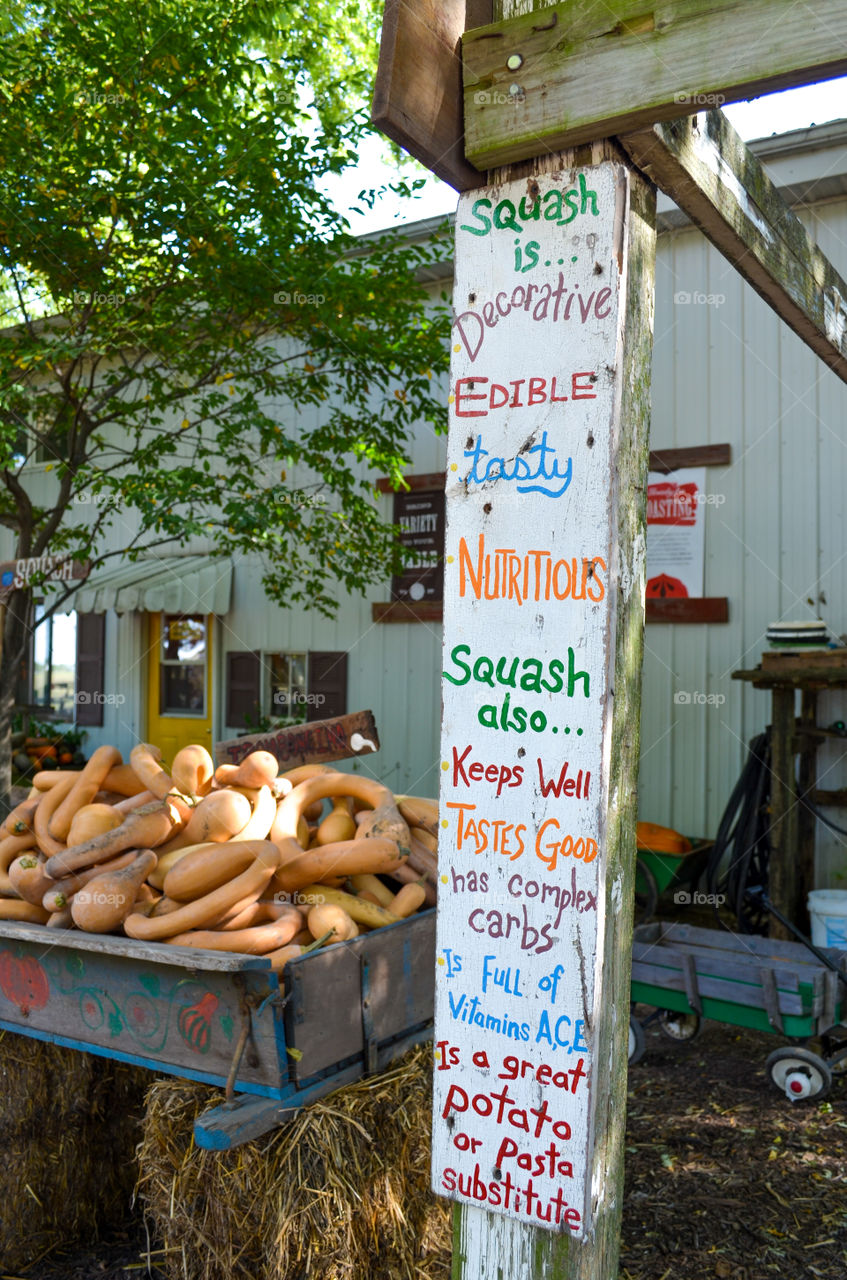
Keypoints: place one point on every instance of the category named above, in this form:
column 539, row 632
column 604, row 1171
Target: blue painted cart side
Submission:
column 224, row 1019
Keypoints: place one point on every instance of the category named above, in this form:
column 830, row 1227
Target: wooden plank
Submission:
column 706, row 168
column 837, row 797
column 697, row 455
column 589, row 71
column 324, row 1015
column 230, row 1125
column 804, row 678
column 418, row 92
column 15, row 574
column 149, row 1010
column 408, row 611
column 194, row 958
column 590, row 955
column 731, row 966
column 804, row 743
column 765, row 949
column 337, row 738
column 783, row 882
column 659, row 975
column 699, row 609
column 803, row 665
column 413, row 484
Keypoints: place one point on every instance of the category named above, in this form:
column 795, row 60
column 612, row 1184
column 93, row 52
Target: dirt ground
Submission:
column 724, row 1177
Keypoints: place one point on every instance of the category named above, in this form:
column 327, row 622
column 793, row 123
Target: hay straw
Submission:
column 69, row 1124
column 340, row 1191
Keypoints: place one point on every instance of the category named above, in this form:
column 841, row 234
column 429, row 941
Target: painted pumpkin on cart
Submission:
column 195, row 1022
column 23, row 982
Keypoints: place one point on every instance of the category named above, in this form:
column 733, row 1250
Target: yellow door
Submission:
column 179, row 684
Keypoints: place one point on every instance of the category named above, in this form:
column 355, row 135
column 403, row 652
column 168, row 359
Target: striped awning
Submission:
column 158, row 584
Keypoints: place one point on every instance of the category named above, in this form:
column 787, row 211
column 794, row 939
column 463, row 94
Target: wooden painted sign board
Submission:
column 15, row 574
column 529, row 615
column 338, row 738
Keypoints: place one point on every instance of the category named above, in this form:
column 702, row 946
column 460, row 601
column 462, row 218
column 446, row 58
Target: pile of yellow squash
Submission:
column 240, row 858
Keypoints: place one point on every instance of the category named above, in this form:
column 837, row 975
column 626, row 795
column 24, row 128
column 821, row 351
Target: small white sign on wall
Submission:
column 529, row 606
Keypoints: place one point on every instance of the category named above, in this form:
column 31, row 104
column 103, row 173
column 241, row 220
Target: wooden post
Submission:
column 543, row 631
column 783, row 887
column 546, row 488
column 806, row 822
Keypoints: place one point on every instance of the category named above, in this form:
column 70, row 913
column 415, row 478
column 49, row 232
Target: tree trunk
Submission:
column 16, row 627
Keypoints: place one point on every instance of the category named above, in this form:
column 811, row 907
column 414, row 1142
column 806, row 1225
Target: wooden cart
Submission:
column 224, row 1019
column 687, row 974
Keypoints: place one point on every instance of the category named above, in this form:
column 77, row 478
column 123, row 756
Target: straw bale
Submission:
column 339, row 1192
column 69, row 1125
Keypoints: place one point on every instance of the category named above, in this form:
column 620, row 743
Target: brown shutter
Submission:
column 243, row 689
column 90, row 654
column 327, row 685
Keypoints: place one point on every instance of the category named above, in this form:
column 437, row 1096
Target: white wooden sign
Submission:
column 529, row 599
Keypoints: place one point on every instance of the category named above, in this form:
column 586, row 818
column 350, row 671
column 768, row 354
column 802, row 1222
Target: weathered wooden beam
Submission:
column 337, row 738
column 418, row 92
column 783, row 886
column 706, row 168
column 407, row 611
column 697, row 609
column 542, row 329
column 695, row 455
column 574, row 72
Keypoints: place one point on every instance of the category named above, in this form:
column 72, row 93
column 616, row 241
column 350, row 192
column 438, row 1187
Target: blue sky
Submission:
column 774, row 113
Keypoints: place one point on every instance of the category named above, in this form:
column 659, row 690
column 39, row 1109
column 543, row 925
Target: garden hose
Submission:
column 738, row 861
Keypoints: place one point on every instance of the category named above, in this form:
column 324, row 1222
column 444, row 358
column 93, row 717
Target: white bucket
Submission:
column 828, row 912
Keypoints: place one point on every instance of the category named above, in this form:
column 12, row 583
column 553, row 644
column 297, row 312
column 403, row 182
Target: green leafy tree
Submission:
column 187, row 317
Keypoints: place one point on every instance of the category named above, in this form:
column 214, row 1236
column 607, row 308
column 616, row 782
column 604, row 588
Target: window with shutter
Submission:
column 327, row 684
column 90, row 657
column 243, row 690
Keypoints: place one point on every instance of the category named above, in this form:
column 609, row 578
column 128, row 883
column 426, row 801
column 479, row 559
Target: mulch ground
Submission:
column 724, row 1177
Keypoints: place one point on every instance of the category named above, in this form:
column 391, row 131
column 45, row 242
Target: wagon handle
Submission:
column 801, row 937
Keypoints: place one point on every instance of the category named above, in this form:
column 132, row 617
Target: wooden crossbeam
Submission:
column 579, row 71
column 706, row 168
column 417, row 98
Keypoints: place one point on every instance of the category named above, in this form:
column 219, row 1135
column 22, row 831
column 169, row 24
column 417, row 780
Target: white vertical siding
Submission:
column 393, row 668
column 776, row 545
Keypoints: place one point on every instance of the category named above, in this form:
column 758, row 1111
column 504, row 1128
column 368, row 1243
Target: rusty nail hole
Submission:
column 598, row 269
column 590, row 442
column 498, row 1173
column 487, row 508
column 521, row 752
column 593, row 377
column 471, row 297
column 469, row 442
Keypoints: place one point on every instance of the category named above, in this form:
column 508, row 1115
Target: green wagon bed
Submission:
column 688, row 973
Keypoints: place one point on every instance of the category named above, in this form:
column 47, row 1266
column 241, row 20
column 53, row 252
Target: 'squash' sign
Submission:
column 528, row 638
